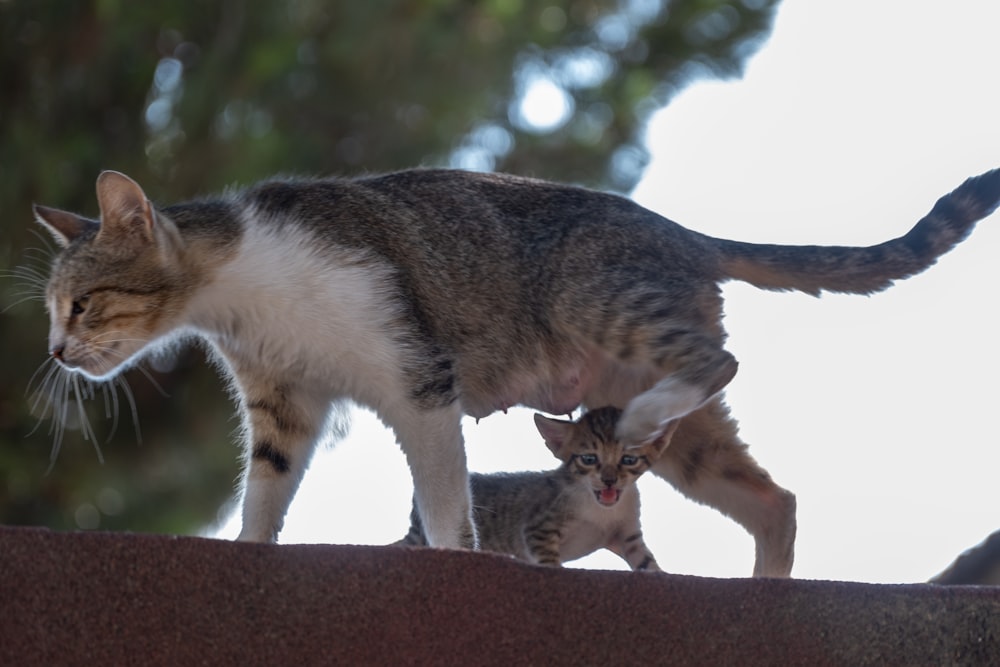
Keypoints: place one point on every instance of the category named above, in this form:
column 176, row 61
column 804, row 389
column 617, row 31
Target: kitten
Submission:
column 429, row 294
column 590, row 502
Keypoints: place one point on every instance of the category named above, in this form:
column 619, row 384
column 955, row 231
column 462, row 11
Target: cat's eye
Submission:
column 588, row 459
column 79, row 305
column 629, row 460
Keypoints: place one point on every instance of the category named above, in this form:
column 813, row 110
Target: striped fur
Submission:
column 429, row 294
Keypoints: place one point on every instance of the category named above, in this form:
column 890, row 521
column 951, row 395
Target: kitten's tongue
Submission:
column 609, row 496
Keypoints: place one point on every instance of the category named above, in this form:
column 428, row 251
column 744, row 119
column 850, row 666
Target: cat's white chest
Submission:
column 297, row 307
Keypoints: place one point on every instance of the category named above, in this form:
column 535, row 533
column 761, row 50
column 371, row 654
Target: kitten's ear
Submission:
column 554, row 432
column 124, row 207
column 63, row 225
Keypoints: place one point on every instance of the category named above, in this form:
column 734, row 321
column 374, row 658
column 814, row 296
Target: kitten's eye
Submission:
column 629, row 460
column 588, row 459
column 79, row 305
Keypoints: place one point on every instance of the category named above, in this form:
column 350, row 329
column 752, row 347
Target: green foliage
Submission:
column 189, row 98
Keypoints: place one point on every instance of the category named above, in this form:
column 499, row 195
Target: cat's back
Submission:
column 439, row 206
column 451, row 234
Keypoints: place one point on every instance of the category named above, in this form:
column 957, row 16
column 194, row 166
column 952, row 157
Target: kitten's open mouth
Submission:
column 607, row 496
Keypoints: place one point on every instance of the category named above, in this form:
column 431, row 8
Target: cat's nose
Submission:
column 57, row 352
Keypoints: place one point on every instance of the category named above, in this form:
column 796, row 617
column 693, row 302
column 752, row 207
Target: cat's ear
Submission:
column 660, row 444
column 554, row 432
column 64, row 226
column 125, row 210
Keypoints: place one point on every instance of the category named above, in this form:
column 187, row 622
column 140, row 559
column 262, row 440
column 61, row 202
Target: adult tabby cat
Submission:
column 427, row 294
column 590, row 502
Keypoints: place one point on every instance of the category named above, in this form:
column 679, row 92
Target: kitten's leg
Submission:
column 633, row 550
column 543, row 541
column 627, row 542
column 431, row 439
column 284, row 424
column 707, row 462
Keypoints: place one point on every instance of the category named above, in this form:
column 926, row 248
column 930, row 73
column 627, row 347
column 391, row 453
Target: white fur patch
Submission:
column 647, row 415
column 303, row 307
column 299, row 307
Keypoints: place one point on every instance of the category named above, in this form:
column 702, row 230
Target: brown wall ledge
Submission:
column 118, row 599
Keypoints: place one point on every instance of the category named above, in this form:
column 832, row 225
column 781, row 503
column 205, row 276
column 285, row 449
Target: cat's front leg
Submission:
column 431, row 439
column 284, row 422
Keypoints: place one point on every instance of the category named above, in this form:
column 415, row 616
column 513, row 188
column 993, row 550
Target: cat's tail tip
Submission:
column 980, row 194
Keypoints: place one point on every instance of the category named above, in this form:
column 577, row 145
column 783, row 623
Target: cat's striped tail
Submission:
column 858, row 270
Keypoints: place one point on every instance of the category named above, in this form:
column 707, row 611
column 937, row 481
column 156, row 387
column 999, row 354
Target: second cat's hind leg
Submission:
column 693, row 368
column 662, row 351
column 707, row 462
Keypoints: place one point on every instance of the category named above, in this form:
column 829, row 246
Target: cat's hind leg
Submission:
column 431, row 439
column 707, row 462
column 696, row 368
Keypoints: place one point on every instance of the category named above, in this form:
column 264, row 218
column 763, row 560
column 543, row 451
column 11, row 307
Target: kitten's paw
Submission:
column 647, row 415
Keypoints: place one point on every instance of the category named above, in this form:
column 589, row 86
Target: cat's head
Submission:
column 116, row 283
column 592, row 453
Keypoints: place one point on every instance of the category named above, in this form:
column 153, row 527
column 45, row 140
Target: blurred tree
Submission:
column 191, row 97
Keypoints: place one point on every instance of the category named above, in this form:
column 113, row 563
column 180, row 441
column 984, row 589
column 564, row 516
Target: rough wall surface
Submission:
column 119, row 599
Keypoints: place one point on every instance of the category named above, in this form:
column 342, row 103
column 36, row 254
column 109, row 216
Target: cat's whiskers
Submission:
column 111, row 386
column 120, row 382
column 58, row 428
column 52, row 388
column 42, row 391
column 87, row 390
column 111, row 351
column 31, row 286
column 32, row 276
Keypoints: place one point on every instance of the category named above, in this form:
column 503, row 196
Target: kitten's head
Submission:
column 590, row 450
column 116, row 284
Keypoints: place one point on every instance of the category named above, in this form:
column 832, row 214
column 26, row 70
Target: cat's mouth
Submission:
column 607, row 496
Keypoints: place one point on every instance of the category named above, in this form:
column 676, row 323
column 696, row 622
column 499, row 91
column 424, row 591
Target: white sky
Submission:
column 877, row 412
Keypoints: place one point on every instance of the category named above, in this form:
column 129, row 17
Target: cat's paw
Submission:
column 647, row 416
